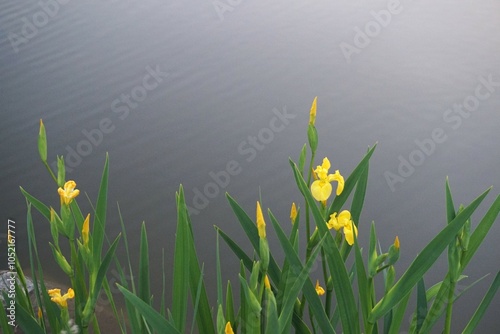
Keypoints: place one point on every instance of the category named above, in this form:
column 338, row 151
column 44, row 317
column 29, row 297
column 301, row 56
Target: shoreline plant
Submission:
column 273, row 297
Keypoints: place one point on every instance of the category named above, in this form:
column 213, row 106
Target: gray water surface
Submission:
column 177, row 92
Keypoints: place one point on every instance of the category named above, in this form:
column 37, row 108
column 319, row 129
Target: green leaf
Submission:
column 450, row 208
column 230, row 304
column 144, row 289
column 271, row 313
column 359, row 194
column 363, row 286
column 181, row 266
column 350, row 182
column 291, row 297
column 98, row 230
column 197, row 299
column 204, row 316
column 253, row 308
column 483, row 306
column 42, row 208
column 101, row 275
column 240, row 253
column 421, row 311
column 475, row 241
column 153, row 318
column 481, row 231
column 398, row 314
column 27, row 323
column 424, row 261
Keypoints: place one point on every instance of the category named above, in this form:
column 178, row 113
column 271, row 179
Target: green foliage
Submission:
column 273, row 297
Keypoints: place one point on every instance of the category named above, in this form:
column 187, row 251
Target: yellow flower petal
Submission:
column 69, row 192
column 340, row 179
column 396, row 242
column 261, row 224
column 326, row 164
column 348, row 232
column 344, row 218
column 56, row 297
column 321, row 190
column 319, row 290
column 334, row 222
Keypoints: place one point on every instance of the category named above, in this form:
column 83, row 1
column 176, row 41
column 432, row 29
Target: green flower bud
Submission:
column 61, row 261
column 312, row 136
column 42, row 142
column 264, row 253
column 61, row 171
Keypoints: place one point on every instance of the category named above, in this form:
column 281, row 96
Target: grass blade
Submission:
column 144, row 289
column 481, row 231
column 424, row 261
column 100, row 215
column 42, row 208
column 483, row 306
column 421, row 312
column 203, row 316
column 181, row 267
column 153, row 318
column 350, row 182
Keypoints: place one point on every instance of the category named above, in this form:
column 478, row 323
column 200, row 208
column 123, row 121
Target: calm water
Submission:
column 178, row 92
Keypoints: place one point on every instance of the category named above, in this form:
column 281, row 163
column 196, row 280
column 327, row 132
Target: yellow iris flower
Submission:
column 343, row 220
column 69, row 192
column 59, row 299
column 319, row 290
column 321, row 189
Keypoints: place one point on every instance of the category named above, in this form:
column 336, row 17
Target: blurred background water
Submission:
column 177, row 92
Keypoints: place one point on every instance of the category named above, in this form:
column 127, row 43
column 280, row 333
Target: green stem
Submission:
column 449, row 308
column 329, row 297
column 308, row 228
column 309, row 175
column 50, row 171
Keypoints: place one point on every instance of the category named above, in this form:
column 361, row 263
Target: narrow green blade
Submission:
column 424, row 261
column 144, row 289
column 159, row 323
column 181, row 267
column 483, row 306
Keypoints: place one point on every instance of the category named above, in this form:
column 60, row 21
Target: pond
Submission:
column 216, row 95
